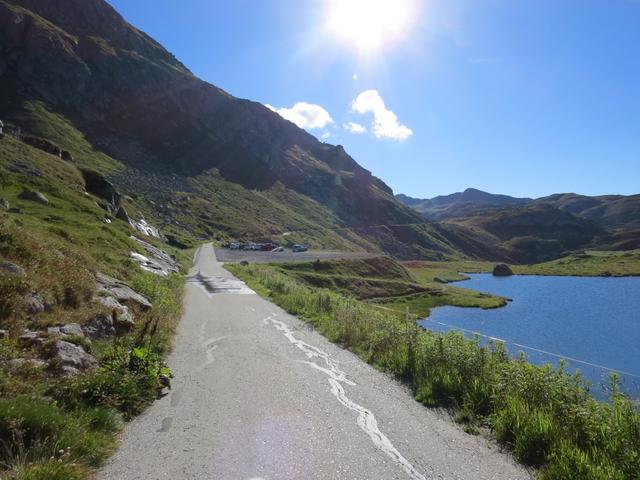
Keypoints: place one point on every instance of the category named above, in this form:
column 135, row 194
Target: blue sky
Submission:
column 526, row 97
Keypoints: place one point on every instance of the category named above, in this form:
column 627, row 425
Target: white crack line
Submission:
column 366, row 419
column 210, row 345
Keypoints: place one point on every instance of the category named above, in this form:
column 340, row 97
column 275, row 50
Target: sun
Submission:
column 369, row 24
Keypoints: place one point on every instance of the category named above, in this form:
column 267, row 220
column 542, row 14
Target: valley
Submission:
column 123, row 175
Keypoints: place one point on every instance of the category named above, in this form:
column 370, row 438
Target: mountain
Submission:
column 609, row 211
column 187, row 156
column 460, row 204
column 532, row 230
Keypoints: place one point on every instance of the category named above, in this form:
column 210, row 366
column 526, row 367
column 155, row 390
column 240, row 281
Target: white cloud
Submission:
column 354, row 127
column 385, row 122
column 325, row 135
column 305, row 115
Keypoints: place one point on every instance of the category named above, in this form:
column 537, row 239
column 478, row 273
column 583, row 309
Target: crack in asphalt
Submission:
column 366, row 419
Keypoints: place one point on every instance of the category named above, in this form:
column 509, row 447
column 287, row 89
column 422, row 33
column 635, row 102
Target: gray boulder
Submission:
column 71, row 329
column 122, row 292
column 10, row 268
column 71, row 359
column 4, row 334
column 31, row 339
column 4, row 204
column 502, row 270
column 156, row 261
column 34, row 304
column 34, row 196
column 100, row 327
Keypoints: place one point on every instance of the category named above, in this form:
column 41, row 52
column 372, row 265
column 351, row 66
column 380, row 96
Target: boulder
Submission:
column 123, row 215
column 71, row 359
column 24, row 169
column 4, row 204
column 122, row 292
column 96, row 184
column 31, row 339
column 34, row 304
column 9, row 268
column 66, row 156
column 100, row 327
column 157, row 261
column 42, row 144
column 4, row 334
column 34, row 196
column 121, row 318
column 502, row 270
column 71, row 329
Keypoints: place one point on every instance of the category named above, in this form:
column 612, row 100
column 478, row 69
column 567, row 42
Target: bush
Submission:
column 545, row 415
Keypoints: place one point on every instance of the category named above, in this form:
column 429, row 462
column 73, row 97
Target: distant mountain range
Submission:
column 526, row 229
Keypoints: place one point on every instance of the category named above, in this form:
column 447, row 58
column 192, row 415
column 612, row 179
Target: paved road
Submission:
column 259, row 395
column 234, row 256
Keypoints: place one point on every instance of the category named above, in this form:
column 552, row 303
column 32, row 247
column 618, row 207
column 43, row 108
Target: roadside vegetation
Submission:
column 56, row 425
column 544, row 415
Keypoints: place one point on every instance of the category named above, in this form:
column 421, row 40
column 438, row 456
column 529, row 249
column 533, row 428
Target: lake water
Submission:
column 593, row 321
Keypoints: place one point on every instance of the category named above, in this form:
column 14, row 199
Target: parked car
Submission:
column 268, row 247
column 299, row 248
column 278, row 249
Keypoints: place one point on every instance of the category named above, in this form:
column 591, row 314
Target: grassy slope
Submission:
column 589, row 263
column 545, row 416
column 61, row 246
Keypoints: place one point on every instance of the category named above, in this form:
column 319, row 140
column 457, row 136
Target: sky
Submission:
column 520, row 97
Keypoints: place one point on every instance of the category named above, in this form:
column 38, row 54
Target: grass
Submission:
column 543, row 414
column 63, row 428
column 589, row 263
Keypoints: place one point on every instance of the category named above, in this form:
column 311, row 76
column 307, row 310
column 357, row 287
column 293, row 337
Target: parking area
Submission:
column 235, row 256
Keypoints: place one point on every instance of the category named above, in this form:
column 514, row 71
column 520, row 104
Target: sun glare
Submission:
column 369, row 24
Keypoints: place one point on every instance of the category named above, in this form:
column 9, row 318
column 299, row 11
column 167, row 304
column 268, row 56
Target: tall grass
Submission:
column 545, row 415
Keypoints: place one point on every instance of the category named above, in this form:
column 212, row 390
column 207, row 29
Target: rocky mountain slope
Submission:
column 192, row 156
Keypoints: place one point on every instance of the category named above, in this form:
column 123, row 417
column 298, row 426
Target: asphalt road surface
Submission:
column 259, row 395
column 234, row 256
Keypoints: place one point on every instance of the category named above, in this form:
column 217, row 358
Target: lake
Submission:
column 593, row 321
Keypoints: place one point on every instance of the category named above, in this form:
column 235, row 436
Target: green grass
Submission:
column 52, row 427
column 544, row 415
column 588, row 263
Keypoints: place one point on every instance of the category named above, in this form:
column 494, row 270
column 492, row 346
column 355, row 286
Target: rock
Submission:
column 98, row 185
column 34, row 196
column 34, row 305
column 122, row 292
column 71, row 329
column 123, row 215
column 158, row 261
column 66, row 156
column 502, row 270
column 9, row 268
column 121, row 318
column 31, row 339
column 4, row 204
column 71, row 359
column 24, row 169
column 100, row 327
column 4, row 334
column 42, row 144
column 143, row 227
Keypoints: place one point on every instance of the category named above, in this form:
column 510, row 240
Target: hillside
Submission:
column 460, row 204
column 193, row 159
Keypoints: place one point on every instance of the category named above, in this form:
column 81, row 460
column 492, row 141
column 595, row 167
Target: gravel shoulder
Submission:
column 259, row 395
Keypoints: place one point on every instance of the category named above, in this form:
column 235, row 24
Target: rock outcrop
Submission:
column 122, row 292
column 502, row 270
column 70, row 359
column 32, row 196
column 157, row 261
column 71, row 329
column 10, row 268
column 96, row 184
column 42, row 144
